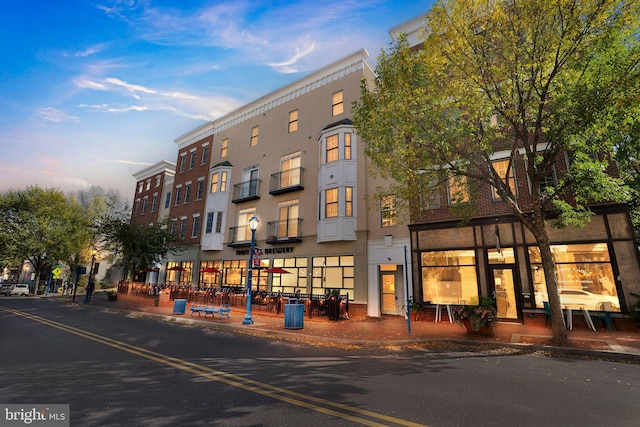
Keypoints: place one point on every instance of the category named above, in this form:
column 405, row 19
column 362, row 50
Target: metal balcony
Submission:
column 239, row 236
column 245, row 191
column 287, row 181
column 286, row 231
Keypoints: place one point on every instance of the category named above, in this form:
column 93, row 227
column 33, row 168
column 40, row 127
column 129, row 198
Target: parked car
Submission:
column 19, row 289
column 588, row 300
column 5, row 288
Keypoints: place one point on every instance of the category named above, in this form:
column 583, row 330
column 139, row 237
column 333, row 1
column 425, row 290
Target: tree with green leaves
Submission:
column 41, row 226
column 140, row 246
column 98, row 206
column 531, row 80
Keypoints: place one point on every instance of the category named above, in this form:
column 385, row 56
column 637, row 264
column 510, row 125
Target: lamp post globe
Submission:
column 254, row 222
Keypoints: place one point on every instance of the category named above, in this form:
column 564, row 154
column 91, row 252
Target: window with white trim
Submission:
column 205, row 154
column 195, row 229
column 337, row 103
column 223, row 147
column 388, row 214
column 293, row 121
column 254, row 136
column 508, row 177
column 209, row 225
column 200, row 191
column 331, row 203
column 458, row 190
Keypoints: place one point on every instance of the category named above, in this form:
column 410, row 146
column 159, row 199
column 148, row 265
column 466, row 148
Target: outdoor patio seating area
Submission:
column 332, row 306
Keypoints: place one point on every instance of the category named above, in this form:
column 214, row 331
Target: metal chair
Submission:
column 606, row 318
column 547, row 312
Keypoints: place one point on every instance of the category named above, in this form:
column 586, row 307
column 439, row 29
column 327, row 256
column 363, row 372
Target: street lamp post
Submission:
column 254, row 222
column 53, row 263
column 93, row 260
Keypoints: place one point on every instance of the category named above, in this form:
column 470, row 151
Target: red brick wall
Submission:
column 194, row 206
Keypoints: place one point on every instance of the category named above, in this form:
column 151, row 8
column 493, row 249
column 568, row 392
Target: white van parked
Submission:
column 19, row 289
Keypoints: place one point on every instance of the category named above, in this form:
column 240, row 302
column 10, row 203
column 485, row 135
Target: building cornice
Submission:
column 165, row 166
column 350, row 64
column 410, row 28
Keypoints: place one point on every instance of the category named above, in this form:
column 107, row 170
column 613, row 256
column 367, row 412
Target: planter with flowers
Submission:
column 478, row 319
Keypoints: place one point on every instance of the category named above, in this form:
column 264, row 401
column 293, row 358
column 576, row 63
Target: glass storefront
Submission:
column 295, row 280
column 449, row 277
column 585, row 276
column 333, row 272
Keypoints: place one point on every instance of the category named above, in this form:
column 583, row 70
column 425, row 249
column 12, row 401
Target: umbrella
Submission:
column 277, row 270
column 209, row 270
column 176, row 269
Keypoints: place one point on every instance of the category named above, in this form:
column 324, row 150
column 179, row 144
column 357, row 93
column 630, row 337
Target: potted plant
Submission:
column 414, row 307
column 477, row 318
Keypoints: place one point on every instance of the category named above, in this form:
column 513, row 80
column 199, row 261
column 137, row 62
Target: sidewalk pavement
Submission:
column 393, row 331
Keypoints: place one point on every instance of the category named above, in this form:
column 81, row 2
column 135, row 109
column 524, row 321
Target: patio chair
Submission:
column 547, row 312
column 605, row 317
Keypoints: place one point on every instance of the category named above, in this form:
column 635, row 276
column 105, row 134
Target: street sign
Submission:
column 57, row 272
column 82, row 270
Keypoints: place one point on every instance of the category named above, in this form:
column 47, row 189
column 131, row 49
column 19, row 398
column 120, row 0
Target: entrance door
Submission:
column 392, row 295
column 504, row 290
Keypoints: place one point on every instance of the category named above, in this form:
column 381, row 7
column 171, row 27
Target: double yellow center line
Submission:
column 324, row 406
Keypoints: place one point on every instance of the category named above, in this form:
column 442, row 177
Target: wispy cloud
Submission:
column 288, row 65
column 142, row 108
column 253, row 32
column 85, row 83
column 89, row 51
column 180, row 103
column 51, row 114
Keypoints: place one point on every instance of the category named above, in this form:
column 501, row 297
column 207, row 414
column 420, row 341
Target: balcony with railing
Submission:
column 239, row 236
column 285, row 231
column 287, row 181
column 246, row 191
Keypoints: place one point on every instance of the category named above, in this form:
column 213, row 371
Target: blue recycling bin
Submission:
column 179, row 306
column 293, row 316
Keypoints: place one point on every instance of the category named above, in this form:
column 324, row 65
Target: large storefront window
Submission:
column 449, row 277
column 585, row 276
column 335, row 272
column 179, row 273
column 295, row 280
column 233, row 272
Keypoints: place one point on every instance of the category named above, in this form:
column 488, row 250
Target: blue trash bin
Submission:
column 293, row 316
column 179, row 306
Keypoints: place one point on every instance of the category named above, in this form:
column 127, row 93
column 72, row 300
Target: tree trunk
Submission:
column 549, row 266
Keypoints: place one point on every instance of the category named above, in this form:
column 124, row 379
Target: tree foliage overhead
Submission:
column 140, row 246
column 526, row 81
column 41, row 226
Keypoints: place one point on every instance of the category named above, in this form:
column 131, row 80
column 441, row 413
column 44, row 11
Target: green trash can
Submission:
column 179, row 306
column 293, row 316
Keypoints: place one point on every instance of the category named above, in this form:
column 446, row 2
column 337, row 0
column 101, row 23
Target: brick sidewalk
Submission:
column 388, row 330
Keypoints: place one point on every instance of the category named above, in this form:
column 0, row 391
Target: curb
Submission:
column 471, row 345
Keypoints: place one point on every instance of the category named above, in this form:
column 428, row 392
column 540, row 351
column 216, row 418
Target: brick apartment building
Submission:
column 292, row 158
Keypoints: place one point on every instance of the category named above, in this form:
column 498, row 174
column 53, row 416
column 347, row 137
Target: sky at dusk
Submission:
column 95, row 91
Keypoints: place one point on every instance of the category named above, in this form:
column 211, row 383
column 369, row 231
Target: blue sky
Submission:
column 94, row 91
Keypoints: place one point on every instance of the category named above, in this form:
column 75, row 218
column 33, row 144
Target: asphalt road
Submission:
column 118, row 369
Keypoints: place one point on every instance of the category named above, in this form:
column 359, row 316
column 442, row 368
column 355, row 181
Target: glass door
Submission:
column 392, row 293
column 504, row 291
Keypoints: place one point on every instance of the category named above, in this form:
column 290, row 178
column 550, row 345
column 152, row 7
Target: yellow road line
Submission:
column 306, row 401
